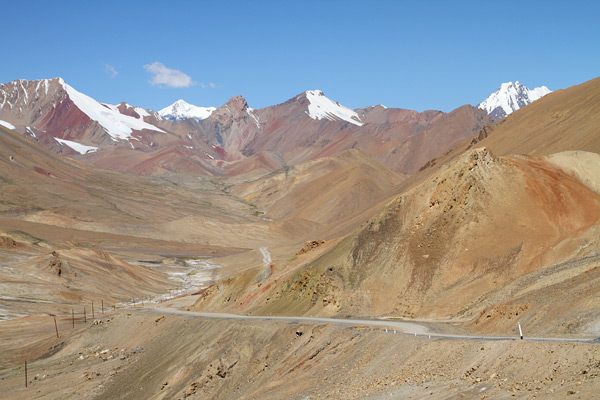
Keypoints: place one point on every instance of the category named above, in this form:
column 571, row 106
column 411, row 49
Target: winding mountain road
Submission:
column 401, row 327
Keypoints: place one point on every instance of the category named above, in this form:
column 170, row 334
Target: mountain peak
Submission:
column 183, row 110
column 510, row 97
column 236, row 108
column 321, row 107
column 237, row 103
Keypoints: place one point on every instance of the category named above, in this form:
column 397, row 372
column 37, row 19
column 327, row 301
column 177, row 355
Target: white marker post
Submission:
column 520, row 330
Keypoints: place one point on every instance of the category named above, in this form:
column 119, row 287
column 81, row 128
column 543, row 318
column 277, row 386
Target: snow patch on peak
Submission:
column 142, row 112
column 117, row 125
column 510, row 97
column 250, row 112
column 78, row 147
column 320, row 107
column 182, row 110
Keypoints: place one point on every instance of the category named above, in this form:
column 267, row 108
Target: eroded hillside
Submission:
column 455, row 247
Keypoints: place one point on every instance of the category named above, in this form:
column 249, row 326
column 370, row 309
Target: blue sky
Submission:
column 416, row 55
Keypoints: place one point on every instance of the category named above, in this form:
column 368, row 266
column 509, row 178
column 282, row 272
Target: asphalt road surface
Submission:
column 400, row 327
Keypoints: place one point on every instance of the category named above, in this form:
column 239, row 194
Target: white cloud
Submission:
column 162, row 75
column 110, row 71
column 212, row 85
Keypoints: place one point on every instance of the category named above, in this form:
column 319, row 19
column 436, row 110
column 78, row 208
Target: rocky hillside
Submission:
column 455, row 247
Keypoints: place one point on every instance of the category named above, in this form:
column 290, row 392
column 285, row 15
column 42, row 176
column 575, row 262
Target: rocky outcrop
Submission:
column 309, row 246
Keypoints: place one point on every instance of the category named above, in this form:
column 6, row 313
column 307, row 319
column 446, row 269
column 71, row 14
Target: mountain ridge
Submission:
column 305, row 127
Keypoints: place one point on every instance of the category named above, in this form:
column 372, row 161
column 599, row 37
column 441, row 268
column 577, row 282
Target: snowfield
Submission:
column 117, row 125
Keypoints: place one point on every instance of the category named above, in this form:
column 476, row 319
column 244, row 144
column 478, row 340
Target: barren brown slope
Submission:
column 454, row 247
column 255, row 166
column 40, row 187
column 327, row 190
column 407, row 154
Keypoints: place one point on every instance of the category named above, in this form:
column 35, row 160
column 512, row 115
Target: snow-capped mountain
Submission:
column 509, row 98
column 182, row 110
column 117, row 125
column 320, row 107
column 52, row 107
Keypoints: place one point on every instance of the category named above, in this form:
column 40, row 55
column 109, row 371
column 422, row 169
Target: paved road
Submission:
column 406, row 328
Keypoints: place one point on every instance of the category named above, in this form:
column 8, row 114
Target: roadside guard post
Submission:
column 520, row 330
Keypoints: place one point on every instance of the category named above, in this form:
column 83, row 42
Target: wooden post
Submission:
column 73, row 317
column 102, row 306
column 93, row 316
column 84, row 316
column 25, row 373
column 56, row 326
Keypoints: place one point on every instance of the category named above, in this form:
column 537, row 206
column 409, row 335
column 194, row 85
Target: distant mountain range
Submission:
column 507, row 99
column 213, row 141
